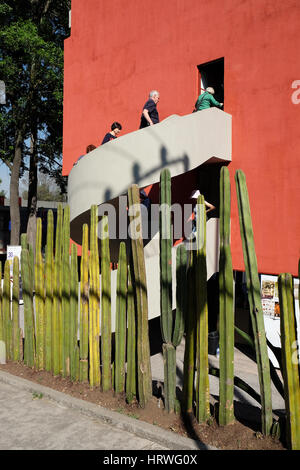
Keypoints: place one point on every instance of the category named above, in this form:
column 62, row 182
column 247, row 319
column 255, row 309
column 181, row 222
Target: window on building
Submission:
column 212, row 74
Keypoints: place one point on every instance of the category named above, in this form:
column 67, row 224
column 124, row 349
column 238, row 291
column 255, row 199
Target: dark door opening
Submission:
column 212, row 74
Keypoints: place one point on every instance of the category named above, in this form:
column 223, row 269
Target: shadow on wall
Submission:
column 205, row 177
column 138, row 176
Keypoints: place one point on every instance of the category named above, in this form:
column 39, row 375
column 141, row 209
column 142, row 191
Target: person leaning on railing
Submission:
column 206, row 100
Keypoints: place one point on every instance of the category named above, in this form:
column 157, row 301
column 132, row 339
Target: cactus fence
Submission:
column 67, row 312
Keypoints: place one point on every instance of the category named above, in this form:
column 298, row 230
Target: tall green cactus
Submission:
column 290, row 364
column 165, row 242
column 172, row 331
column 56, row 324
column 7, row 321
column 39, row 299
column 66, row 279
column 226, row 312
column 120, row 334
column 166, row 316
column 16, row 330
column 94, row 302
column 181, row 295
column 26, row 246
column 49, row 279
column 84, row 308
column 59, row 232
column 254, row 297
column 29, row 323
column 58, row 316
column 105, row 306
column 202, row 387
column 57, row 320
column 131, row 343
column 140, row 294
column 74, row 350
column 189, row 350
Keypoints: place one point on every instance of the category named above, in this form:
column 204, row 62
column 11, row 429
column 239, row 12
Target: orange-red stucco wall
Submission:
column 118, row 51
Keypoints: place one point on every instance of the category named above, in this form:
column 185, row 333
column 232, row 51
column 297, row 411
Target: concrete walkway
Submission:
column 36, row 417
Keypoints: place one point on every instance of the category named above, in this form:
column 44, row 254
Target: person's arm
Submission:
column 147, row 117
column 210, row 207
column 215, row 102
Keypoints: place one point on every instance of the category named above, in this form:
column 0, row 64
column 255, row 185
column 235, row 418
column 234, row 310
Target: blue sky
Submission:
column 5, row 177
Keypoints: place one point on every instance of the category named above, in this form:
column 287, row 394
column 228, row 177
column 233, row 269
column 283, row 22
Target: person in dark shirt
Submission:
column 150, row 115
column 115, row 129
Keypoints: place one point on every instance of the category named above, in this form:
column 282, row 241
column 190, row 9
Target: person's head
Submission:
column 90, row 148
column 210, row 90
column 116, row 128
column 154, row 95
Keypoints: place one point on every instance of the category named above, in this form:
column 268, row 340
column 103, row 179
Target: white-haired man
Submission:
column 206, row 100
column 150, row 115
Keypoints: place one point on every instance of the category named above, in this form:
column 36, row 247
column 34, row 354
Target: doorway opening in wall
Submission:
column 212, row 74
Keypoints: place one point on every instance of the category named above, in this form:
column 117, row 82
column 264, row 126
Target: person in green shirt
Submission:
column 206, row 100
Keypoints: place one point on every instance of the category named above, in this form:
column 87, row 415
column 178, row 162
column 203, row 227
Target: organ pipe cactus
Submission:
column 57, row 320
column 94, row 302
column 290, row 363
column 39, row 299
column 140, row 294
column 254, row 298
column 66, row 279
column 120, row 334
column 59, row 283
column 226, row 312
column 29, row 247
column 165, row 243
column 189, row 351
column 74, row 350
column 166, row 315
column 59, row 234
column 202, row 387
column 172, row 331
column 49, row 278
column 56, row 324
column 29, row 328
column 181, row 298
column 105, row 306
column 16, row 330
column 24, row 241
column 7, row 321
column 131, row 344
column 84, row 307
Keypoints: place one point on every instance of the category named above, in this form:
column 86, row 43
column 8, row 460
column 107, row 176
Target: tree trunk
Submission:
column 14, row 190
column 32, row 189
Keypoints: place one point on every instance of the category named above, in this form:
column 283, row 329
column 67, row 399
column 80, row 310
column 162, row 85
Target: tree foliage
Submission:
column 47, row 189
column 32, row 33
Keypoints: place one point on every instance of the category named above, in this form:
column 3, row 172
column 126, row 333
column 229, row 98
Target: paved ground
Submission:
column 61, row 422
column 57, row 421
column 33, row 423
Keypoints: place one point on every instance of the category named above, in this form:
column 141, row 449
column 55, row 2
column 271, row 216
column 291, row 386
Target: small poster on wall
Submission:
column 13, row 251
column 269, row 296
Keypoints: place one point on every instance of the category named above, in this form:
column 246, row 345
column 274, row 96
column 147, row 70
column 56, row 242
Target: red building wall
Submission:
column 118, row 51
